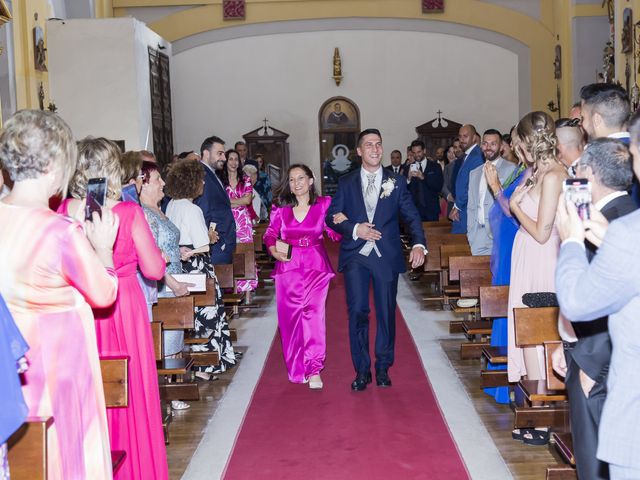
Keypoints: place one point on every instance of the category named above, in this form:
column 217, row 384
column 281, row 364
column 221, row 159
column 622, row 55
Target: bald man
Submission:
column 570, row 143
column 471, row 160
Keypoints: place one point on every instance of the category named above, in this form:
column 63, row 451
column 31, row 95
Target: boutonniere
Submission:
column 387, row 187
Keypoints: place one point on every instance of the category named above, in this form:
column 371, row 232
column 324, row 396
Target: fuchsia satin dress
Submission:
column 302, row 285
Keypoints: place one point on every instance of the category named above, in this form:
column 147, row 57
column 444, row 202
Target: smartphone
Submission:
column 96, row 196
column 130, row 194
column 212, row 226
column 578, row 191
column 414, row 166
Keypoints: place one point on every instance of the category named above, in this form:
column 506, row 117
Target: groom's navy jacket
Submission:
column 349, row 200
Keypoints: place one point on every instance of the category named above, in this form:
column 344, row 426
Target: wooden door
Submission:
column 161, row 123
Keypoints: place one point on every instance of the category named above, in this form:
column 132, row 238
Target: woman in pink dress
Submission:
column 240, row 191
column 124, row 329
column 302, row 281
column 51, row 277
column 536, row 244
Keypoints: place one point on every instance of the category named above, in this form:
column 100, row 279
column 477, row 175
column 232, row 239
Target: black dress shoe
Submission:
column 361, row 381
column 382, row 378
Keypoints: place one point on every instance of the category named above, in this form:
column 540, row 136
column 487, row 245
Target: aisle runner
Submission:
column 292, row 432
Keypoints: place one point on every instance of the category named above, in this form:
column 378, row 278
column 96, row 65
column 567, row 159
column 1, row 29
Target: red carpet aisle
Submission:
column 291, row 432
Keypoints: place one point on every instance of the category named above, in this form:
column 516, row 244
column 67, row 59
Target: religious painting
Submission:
column 338, row 114
column 233, row 9
column 626, row 40
column 339, row 124
column 39, row 50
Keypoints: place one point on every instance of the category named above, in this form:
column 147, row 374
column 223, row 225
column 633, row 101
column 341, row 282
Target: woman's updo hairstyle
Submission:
column 537, row 134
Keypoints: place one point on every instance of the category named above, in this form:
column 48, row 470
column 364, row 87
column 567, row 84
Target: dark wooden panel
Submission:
column 28, row 449
column 457, row 263
column 175, row 313
column 471, row 280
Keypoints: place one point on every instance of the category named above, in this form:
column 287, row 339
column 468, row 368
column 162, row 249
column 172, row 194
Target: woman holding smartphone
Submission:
column 124, row 328
column 53, row 273
column 302, row 278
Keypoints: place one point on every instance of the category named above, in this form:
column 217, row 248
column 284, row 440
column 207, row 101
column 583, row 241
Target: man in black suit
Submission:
column 425, row 182
column 215, row 204
column 606, row 163
column 396, row 163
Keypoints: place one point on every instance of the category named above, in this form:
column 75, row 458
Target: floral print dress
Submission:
column 244, row 226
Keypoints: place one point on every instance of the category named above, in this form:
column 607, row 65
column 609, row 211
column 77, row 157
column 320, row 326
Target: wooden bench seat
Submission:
column 479, row 327
column 537, row 391
column 493, row 378
column 564, row 446
column 561, row 472
column 495, row 355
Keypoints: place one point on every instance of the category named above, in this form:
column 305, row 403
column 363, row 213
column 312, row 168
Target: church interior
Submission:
column 294, row 82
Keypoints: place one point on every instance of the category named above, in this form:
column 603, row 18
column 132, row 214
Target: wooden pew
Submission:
column 177, row 313
column 244, row 268
column 473, row 281
column 433, row 261
column 225, row 275
column 115, row 380
column 494, row 302
column 537, row 405
column 28, row 449
column 28, row 445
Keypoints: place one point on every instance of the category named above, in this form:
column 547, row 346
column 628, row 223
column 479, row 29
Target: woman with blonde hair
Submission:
column 124, row 328
column 536, row 244
column 52, row 274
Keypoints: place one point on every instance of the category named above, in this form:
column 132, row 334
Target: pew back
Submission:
column 478, row 262
column 534, row 326
column 175, row 313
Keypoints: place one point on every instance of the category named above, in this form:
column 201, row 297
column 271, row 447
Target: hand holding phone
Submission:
column 578, row 191
column 96, row 197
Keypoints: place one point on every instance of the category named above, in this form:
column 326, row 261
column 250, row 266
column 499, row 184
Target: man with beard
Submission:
column 471, row 159
column 214, row 203
column 480, row 197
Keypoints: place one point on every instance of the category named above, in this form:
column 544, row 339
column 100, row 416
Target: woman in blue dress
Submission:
column 504, row 227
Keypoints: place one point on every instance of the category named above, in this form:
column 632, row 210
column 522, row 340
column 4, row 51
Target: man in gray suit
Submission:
column 607, row 166
column 609, row 285
column 480, row 197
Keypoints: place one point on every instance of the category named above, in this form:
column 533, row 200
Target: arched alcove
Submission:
column 338, row 127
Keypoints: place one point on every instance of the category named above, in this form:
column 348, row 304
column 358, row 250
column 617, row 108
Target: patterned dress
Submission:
column 50, row 278
column 167, row 237
column 210, row 321
column 244, row 225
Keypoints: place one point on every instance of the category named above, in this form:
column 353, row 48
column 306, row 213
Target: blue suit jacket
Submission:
column 610, row 285
column 471, row 162
column 216, row 206
column 349, row 200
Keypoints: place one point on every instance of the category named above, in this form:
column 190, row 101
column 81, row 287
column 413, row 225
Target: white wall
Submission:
column 398, row 79
column 102, row 87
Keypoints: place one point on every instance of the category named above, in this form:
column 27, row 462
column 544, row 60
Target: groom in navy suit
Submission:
column 366, row 210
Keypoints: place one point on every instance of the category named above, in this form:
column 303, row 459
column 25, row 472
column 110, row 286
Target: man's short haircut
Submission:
column 208, row 143
column 418, row 143
column 397, row 151
column 610, row 161
column 368, row 131
column 611, row 102
column 492, row 131
column 239, row 142
column 185, row 154
column 567, row 122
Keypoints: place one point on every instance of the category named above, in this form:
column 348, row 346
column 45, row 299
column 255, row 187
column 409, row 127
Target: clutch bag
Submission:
column 283, row 248
column 540, row 299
